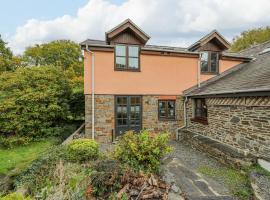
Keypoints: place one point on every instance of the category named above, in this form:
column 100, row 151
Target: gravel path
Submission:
column 180, row 169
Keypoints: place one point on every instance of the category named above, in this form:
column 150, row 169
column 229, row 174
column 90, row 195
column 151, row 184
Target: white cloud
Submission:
column 172, row 22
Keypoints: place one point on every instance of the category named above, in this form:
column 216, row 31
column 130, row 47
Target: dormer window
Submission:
column 209, row 62
column 127, row 57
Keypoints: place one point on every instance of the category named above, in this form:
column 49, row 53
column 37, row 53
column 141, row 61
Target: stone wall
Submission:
column 243, row 123
column 105, row 123
column 150, row 115
column 104, row 117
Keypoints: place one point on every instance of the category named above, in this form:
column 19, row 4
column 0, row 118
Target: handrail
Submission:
column 70, row 138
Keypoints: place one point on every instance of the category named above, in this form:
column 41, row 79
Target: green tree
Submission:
column 5, row 57
column 67, row 55
column 63, row 53
column 250, row 37
column 33, row 100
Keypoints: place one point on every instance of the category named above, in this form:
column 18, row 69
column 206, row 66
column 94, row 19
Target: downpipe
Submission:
column 93, row 91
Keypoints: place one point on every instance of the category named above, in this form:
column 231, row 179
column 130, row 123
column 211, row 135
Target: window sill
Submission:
column 166, row 120
column 209, row 73
column 127, row 70
column 201, row 120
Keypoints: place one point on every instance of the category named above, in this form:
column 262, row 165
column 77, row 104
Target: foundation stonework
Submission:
column 243, row 123
column 105, row 122
column 104, row 117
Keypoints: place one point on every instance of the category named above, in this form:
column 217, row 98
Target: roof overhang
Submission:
column 124, row 26
column 236, row 93
column 214, row 35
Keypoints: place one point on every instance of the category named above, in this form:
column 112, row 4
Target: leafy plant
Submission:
column 142, row 151
column 51, row 177
column 250, row 37
column 106, row 177
column 13, row 141
column 76, row 103
column 82, row 150
column 6, row 57
column 63, row 53
column 15, row 196
column 38, row 173
column 33, row 101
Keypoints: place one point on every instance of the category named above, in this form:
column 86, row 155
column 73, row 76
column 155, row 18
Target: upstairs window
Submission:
column 209, row 62
column 120, row 56
column 166, row 109
column 127, row 57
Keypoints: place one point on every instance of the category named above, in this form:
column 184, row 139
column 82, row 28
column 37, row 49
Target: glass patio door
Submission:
column 128, row 114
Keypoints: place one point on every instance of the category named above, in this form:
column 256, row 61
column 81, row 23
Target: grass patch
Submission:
column 235, row 180
column 14, row 160
column 258, row 169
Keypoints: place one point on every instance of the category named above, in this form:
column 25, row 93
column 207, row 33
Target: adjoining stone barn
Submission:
column 229, row 115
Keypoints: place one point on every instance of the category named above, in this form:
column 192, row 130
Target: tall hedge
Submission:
column 33, row 100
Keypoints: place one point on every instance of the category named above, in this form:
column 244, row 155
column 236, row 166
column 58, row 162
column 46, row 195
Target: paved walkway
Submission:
column 180, row 169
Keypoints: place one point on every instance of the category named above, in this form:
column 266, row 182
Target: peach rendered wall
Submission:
column 223, row 66
column 159, row 75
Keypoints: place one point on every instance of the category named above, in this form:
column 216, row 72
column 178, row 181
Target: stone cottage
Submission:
column 131, row 85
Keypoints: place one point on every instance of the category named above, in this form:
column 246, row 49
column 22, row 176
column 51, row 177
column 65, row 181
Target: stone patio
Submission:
column 180, row 170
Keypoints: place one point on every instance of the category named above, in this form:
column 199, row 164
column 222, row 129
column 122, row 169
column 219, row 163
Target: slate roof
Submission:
column 204, row 38
column 93, row 42
column 255, row 50
column 101, row 43
column 246, row 77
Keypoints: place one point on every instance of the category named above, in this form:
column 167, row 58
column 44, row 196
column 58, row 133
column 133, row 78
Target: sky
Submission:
column 169, row 22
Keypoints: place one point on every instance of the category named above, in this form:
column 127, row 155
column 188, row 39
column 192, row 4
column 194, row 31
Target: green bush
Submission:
column 15, row 196
column 82, row 150
column 13, row 141
column 142, row 151
column 106, row 178
column 40, row 171
column 76, row 103
column 33, row 101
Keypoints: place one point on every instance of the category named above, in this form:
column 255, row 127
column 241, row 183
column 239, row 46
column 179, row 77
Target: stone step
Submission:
column 209, row 198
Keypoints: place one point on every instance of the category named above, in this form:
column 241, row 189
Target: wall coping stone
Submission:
column 219, row 150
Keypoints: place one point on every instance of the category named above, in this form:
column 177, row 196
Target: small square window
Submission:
column 166, row 109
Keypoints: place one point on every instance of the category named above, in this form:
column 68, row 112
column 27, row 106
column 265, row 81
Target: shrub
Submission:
column 33, row 101
column 106, row 178
column 15, row 196
column 82, row 150
column 40, row 170
column 76, row 103
column 13, row 141
column 50, row 176
column 142, row 151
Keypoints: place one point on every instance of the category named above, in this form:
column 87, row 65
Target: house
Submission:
column 233, row 109
column 130, row 85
